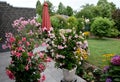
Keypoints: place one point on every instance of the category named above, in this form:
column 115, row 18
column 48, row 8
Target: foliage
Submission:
column 69, row 11
column 68, row 48
column 50, row 8
column 105, row 8
column 111, row 73
column 101, row 26
column 58, row 22
column 39, row 8
column 72, row 22
column 116, row 18
column 26, row 64
column 86, row 12
column 61, row 9
column 113, row 32
column 80, row 25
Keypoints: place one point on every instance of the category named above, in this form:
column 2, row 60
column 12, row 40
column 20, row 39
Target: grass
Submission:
column 99, row 47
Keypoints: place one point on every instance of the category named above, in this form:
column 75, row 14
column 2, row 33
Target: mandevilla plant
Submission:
column 26, row 65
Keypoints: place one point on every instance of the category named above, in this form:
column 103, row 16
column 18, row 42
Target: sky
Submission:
column 75, row 4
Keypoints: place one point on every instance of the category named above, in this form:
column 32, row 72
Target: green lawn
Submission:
column 99, row 47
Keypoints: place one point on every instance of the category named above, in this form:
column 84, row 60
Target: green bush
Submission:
column 101, row 26
column 113, row 32
column 58, row 22
column 72, row 22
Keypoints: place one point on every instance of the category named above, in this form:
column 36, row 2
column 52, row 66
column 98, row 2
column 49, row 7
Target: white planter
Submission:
column 69, row 75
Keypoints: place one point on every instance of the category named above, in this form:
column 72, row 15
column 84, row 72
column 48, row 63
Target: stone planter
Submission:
column 69, row 75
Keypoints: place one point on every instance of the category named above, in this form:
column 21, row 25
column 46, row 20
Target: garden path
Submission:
column 52, row 74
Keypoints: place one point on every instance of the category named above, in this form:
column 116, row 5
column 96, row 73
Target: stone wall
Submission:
column 8, row 14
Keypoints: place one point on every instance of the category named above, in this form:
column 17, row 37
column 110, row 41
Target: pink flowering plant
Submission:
column 68, row 48
column 111, row 73
column 26, row 65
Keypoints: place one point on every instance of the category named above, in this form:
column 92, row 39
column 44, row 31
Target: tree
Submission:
column 69, row 11
column 116, row 18
column 86, row 12
column 50, row 7
column 101, row 26
column 61, row 9
column 105, row 8
column 39, row 8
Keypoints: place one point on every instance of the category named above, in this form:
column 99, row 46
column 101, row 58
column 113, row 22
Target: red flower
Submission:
column 10, row 74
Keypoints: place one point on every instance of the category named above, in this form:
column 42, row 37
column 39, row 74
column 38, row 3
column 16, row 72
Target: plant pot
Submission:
column 69, row 75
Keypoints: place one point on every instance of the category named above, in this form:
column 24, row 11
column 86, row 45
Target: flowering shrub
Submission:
column 68, row 48
column 26, row 65
column 111, row 73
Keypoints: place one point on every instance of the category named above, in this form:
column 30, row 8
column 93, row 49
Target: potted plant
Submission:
column 69, row 49
column 26, row 65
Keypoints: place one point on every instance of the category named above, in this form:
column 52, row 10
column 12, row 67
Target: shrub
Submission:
column 72, row 22
column 58, row 22
column 101, row 26
column 113, row 32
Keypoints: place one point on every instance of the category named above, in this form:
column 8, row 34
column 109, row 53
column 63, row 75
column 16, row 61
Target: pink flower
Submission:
column 44, row 44
column 19, row 42
column 11, row 39
column 48, row 59
column 36, row 45
column 20, row 49
column 60, row 56
column 10, row 74
column 60, row 47
column 41, row 67
column 31, row 32
column 43, row 77
column 4, row 46
column 27, row 67
column 18, row 54
column 27, row 43
column 30, row 54
column 41, row 55
column 23, row 39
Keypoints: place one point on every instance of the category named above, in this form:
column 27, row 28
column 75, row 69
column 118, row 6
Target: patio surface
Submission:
column 52, row 74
